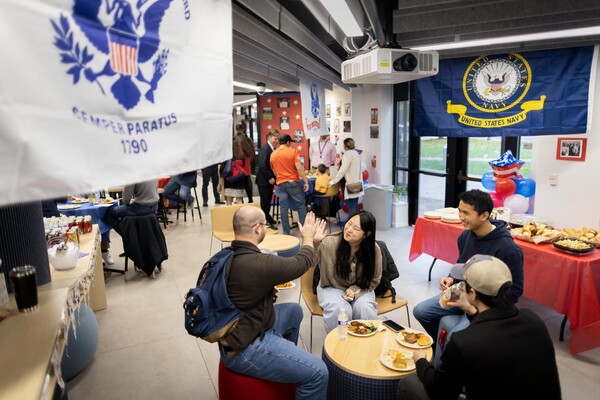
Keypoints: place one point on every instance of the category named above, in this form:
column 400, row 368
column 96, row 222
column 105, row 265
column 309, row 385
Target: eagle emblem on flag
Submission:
column 120, row 46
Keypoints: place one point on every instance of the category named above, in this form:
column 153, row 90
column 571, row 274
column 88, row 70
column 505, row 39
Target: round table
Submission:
column 284, row 245
column 355, row 372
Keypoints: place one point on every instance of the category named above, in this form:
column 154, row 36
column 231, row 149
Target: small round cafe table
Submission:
column 284, row 245
column 355, row 372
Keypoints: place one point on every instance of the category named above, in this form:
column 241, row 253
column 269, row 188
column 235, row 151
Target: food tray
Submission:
column 589, row 247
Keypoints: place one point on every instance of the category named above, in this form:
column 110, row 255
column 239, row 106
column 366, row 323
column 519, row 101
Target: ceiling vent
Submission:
column 389, row 66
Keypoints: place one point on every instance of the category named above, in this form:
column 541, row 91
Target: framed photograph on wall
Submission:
column 374, row 132
column 347, row 126
column 328, row 110
column 338, row 108
column 336, row 126
column 571, row 149
column 328, row 126
column 347, row 109
column 374, row 116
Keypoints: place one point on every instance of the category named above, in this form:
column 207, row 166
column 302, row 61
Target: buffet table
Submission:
column 568, row 283
column 32, row 343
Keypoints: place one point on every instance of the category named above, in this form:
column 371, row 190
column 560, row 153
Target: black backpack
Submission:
column 388, row 274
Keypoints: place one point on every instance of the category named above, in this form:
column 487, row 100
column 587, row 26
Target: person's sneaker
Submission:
column 219, row 202
column 190, row 204
column 107, row 257
column 205, row 204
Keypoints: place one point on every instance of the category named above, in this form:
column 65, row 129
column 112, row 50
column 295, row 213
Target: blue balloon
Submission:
column 525, row 187
column 487, row 182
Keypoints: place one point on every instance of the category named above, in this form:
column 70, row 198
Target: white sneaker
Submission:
column 107, row 257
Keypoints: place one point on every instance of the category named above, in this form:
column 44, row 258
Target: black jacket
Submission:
column 265, row 172
column 503, row 354
column 144, row 242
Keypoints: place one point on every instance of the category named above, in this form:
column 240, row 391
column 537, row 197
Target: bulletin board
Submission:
column 283, row 111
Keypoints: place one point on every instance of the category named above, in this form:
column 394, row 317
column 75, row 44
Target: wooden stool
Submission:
column 233, row 386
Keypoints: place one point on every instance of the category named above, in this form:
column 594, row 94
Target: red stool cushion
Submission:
column 233, row 386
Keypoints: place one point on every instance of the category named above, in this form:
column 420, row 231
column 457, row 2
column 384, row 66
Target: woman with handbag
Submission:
column 351, row 170
column 242, row 151
column 350, row 268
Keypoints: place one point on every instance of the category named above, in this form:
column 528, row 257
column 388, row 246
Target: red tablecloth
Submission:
column 569, row 284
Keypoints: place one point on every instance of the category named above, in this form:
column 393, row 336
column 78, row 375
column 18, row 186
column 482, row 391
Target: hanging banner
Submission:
column 97, row 93
column 313, row 109
column 283, row 111
column 517, row 94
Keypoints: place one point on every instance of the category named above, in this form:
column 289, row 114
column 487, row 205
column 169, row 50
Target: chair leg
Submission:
column 408, row 315
column 196, row 206
column 311, row 333
column 126, row 266
column 211, row 242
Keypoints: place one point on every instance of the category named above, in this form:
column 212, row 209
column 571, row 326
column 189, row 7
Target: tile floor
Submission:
column 145, row 352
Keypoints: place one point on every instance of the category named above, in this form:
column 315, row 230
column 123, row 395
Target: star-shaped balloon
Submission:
column 507, row 166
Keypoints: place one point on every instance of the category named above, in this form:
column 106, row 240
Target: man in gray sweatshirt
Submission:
column 138, row 199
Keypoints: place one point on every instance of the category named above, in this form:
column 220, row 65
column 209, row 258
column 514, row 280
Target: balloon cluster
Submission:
column 507, row 187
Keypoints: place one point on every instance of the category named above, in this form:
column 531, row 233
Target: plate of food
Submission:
column 78, row 200
column 398, row 360
column 574, row 246
column 68, row 206
column 414, row 339
column 585, row 234
column 362, row 328
column 287, row 285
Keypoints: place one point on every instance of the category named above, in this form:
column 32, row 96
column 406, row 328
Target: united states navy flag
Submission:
column 516, row 94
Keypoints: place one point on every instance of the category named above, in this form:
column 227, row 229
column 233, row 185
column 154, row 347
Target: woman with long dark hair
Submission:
column 350, row 265
column 242, row 151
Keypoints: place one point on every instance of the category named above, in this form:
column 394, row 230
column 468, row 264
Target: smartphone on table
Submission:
column 393, row 325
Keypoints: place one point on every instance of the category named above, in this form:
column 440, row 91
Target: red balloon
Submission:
column 497, row 199
column 365, row 175
column 345, row 208
column 505, row 187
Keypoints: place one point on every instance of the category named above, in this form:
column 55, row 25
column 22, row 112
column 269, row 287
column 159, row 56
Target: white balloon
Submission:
column 517, row 203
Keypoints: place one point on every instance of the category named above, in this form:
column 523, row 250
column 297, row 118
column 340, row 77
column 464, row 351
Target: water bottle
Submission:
column 342, row 325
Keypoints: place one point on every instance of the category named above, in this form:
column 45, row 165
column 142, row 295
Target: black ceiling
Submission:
column 282, row 41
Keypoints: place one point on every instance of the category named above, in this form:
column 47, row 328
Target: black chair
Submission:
column 144, row 243
column 182, row 207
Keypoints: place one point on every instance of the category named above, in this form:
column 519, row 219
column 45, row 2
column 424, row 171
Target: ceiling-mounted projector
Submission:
column 381, row 66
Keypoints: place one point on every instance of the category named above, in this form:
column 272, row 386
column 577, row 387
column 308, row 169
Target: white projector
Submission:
column 389, row 66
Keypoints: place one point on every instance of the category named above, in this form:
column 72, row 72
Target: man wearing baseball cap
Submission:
column 291, row 181
column 505, row 353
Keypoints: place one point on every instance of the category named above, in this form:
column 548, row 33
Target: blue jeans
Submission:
column 291, row 196
column 330, row 300
column 428, row 313
column 114, row 215
column 352, row 205
column 184, row 191
column 452, row 324
column 276, row 357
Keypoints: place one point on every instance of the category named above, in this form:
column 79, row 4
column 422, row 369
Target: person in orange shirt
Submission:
column 289, row 173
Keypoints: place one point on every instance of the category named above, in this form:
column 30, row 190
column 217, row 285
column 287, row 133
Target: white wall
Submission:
column 362, row 99
column 575, row 201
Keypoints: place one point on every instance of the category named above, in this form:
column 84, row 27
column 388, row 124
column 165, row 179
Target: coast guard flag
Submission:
column 517, row 94
column 97, row 93
column 314, row 119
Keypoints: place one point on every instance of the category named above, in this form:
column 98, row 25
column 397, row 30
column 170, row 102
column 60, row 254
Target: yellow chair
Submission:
column 331, row 194
column 222, row 223
column 384, row 304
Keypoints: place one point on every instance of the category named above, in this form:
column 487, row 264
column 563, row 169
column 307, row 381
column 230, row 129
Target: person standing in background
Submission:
column 351, row 170
column 265, row 177
column 322, row 151
column 249, row 151
column 210, row 173
column 285, row 161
